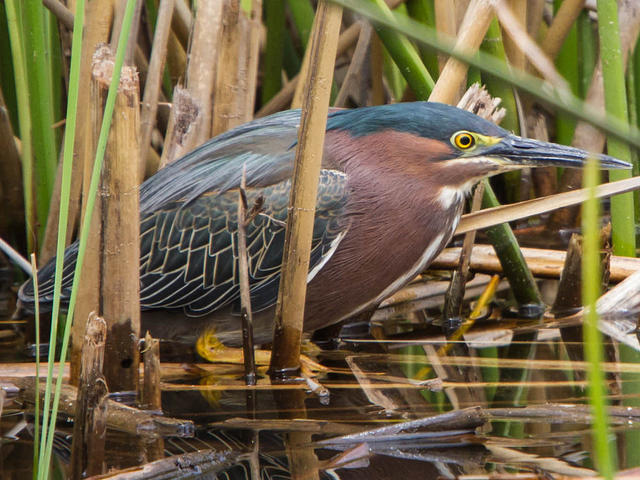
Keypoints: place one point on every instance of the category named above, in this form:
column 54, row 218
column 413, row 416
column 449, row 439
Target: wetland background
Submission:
column 471, row 381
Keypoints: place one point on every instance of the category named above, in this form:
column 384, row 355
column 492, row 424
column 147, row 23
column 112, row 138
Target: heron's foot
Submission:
column 213, row 350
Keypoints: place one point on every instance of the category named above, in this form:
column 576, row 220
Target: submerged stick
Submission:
column 189, row 465
column 118, row 416
column 467, row 418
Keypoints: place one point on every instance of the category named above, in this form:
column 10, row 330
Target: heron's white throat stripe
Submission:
column 325, row 258
column 449, row 196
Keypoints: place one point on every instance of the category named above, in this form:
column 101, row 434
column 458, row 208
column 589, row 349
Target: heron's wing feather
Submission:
column 189, row 255
column 46, row 283
column 264, row 147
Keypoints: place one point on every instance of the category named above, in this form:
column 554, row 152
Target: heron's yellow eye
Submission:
column 464, row 140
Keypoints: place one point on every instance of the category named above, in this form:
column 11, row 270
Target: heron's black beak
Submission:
column 527, row 152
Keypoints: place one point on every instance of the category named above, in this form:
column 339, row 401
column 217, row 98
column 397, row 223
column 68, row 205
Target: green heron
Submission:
column 391, row 192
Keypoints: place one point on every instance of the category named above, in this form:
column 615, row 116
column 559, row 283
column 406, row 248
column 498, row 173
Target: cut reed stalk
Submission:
column 454, row 298
column 151, row 394
column 292, row 292
column 89, row 427
column 568, row 300
column 120, row 241
column 472, row 31
column 88, row 295
column 201, row 68
column 181, row 130
column 151, row 397
column 46, row 452
column 237, row 69
column 119, row 417
column 152, row 86
column 245, row 292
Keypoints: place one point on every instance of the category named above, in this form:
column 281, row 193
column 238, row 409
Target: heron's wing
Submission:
column 189, row 253
column 188, row 223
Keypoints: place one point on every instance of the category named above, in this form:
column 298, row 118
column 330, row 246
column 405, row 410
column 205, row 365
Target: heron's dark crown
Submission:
column 425, row 119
